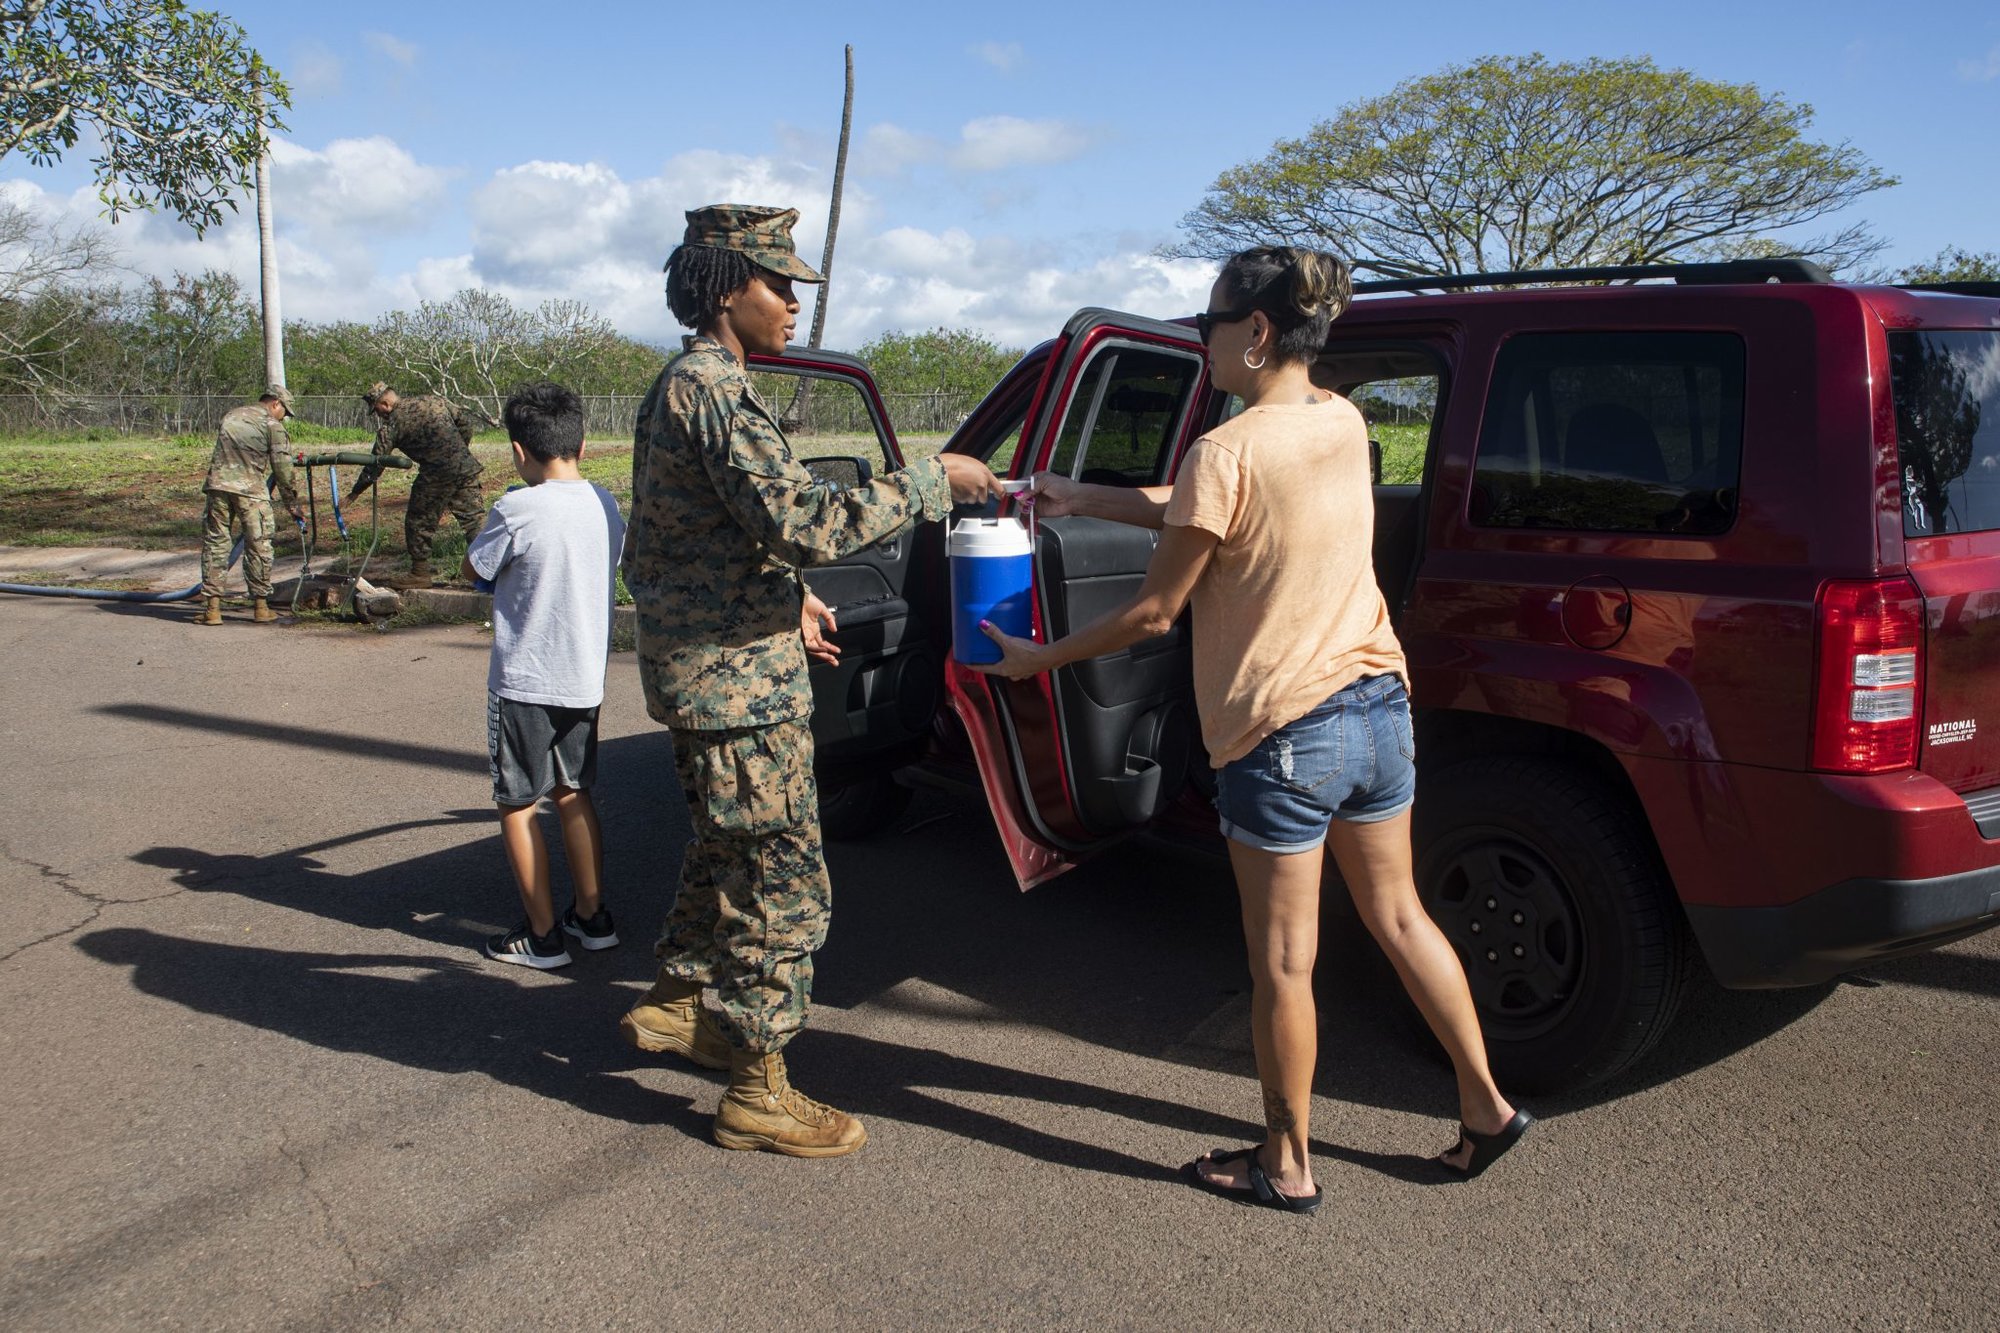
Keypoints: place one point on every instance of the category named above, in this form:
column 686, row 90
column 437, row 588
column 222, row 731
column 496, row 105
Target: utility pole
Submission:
column 833, row 213
column 795, row 412
column 267, row 253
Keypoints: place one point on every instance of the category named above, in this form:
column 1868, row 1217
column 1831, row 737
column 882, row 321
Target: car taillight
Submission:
column 1868, row 710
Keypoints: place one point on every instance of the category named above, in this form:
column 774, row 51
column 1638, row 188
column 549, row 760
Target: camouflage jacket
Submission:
column 723, row 518
column 250, row 446
column 430, row 432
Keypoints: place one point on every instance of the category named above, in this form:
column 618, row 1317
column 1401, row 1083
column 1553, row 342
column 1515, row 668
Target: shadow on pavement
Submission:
column 1973, row 974
column 1139, row 952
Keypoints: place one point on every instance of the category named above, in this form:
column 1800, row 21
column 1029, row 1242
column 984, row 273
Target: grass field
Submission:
column 146, row 493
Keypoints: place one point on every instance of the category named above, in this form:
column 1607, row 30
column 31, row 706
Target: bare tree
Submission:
column 50, row 291
column 475, row 347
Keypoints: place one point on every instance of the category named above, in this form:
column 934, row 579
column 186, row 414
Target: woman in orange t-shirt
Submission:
column 1301, row 689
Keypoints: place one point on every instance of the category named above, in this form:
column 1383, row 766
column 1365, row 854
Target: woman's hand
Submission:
column 1056, row 496
column 815, row 623
column 1019, row 658
column 971, row 481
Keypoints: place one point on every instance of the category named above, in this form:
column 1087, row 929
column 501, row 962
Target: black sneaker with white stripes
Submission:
column 592, row 932
column 521, row 945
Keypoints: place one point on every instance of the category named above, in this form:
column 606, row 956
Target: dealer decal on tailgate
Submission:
column 1951, row 733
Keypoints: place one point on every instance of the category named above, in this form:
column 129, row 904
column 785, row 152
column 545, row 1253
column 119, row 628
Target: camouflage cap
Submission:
column 763, row 235
column 284, row 395
column 375, row 392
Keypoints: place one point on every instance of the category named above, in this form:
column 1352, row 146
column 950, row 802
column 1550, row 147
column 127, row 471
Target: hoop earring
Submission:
column 1254, row 365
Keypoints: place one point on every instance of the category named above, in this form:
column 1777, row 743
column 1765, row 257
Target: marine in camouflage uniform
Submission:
column 724, row 517
column 250, row 446
column 436, row 436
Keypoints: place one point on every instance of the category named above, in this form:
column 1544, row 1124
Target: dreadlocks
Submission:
column 700, row 278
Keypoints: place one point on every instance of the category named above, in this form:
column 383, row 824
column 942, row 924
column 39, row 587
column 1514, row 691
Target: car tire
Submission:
column 857, row 810
column 1553, row 895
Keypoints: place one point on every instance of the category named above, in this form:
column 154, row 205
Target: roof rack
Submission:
column 1723, row 271
column 1955, row 288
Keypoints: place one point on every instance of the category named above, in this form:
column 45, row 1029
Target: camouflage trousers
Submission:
column 754, row 894
column 250, row 513
column 431, row 497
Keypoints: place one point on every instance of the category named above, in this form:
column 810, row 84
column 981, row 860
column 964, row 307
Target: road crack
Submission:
column 68, row 884
column 333, row 1229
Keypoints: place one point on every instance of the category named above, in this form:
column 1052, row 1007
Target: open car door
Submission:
column 1080, row 757
column 872, row 710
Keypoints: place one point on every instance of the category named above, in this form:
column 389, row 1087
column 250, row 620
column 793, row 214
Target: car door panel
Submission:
column 876, row 703
column 1093, row 751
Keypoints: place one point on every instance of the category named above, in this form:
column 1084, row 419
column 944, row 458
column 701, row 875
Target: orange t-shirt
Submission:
column 1287, row 612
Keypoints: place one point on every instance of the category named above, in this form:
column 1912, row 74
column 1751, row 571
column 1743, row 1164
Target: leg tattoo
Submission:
column 1278, row 1117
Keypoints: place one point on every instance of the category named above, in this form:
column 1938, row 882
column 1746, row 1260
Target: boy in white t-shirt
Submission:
column 550, row 550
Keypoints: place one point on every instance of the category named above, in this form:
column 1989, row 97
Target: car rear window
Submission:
column 1946, row 385
column 1612, row 432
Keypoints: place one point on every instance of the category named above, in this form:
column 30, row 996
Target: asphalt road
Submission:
column 256, row 1073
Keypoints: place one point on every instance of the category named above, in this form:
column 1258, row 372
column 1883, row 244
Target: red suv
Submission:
column 1698, row 573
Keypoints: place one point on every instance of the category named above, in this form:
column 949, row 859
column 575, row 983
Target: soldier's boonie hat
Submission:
column 763, row 235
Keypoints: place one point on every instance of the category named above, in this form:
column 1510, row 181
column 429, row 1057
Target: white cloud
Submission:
column 990, row 143
column 315, row 70
column 353, row 216
column 911, row 279
column 1983, row 70
column 354, row 185
column 391, row 48
column 889, row 150
column 1003, row 56
column 993, row 143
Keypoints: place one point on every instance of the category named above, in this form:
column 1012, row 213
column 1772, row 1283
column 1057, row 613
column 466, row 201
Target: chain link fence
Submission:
column 829, row 409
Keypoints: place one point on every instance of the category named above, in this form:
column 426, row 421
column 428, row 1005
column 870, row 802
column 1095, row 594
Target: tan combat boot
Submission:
column 670, row 1018
column 763, row 1110
column 418, row 577
column 211, row 613
column 261, row 612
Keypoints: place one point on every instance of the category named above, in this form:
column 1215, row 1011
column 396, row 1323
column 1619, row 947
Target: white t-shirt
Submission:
column 551, row 552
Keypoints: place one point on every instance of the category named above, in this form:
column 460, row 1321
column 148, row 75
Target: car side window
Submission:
column 1125, row 416
column 1612, row 432
column 827, row 422
column 1395, row 386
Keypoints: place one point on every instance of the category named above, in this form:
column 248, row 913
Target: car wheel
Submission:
column 857, row 810
column 1552, row 893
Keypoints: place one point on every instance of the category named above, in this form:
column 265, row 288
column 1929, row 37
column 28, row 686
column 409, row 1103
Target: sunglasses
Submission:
column 1205, row 322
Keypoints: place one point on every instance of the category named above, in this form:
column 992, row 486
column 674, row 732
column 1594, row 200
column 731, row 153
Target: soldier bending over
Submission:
column 249, row 447
column 437, row 437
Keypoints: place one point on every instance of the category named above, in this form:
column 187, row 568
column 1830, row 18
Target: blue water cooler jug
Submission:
column 992, row 578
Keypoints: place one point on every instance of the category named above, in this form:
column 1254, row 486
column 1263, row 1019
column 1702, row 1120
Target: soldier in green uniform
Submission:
column 436, row 436
column 249, row 447
column 724, row 518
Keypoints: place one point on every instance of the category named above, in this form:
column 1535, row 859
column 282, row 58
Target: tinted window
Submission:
column 1612, row 432
column 825, row 418
column 1947, row 391
column 1123, row 419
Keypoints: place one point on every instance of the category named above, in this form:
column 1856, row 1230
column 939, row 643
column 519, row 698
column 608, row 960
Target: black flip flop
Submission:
column 1486, row 1148
column 1261, row 1190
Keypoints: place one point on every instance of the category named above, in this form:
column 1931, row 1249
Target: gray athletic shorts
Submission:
column 536, row 748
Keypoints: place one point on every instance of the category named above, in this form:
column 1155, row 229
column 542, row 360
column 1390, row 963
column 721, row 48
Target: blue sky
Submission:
column 1010, row 163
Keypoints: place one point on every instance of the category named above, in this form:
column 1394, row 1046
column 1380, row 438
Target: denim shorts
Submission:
column 1352, row 758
